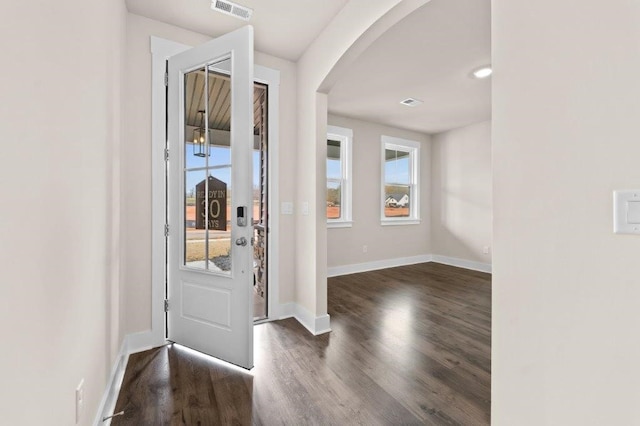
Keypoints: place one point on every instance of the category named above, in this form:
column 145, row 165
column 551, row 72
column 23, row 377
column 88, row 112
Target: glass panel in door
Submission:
column 207, row 169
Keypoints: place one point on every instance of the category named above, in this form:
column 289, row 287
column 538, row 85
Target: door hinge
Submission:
column 166, row 79
column 166, row 154
column 253, row 241
column 166, row 305
column 166, row 229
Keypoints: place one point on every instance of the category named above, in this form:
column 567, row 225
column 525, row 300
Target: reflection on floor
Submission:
column 409, row 345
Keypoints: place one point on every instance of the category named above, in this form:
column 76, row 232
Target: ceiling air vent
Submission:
column 233, row 9
column 411, row 102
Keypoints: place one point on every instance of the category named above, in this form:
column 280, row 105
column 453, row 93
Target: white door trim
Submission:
column 271, row 78
column 162, row 49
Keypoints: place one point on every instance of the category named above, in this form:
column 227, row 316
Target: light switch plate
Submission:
column 626, row 211
column 287, row 207
column 633, row 212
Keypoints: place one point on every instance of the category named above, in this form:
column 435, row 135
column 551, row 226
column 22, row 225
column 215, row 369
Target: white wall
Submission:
column 344, row 245
column 461, row 193
column 566, row 290
column 136, row 166
column 60, row 90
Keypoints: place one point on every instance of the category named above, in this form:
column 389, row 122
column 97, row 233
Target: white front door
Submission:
column 210, row 203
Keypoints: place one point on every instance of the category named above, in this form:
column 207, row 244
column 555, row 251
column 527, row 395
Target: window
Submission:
column 339, row 177
column 400, row 204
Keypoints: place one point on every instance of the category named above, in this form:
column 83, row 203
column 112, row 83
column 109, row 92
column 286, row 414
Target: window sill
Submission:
column 395, row 222
column 340, row 224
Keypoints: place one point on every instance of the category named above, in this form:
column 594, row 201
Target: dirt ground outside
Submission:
column 396, row 211
column 217, row 247
column 333, row 212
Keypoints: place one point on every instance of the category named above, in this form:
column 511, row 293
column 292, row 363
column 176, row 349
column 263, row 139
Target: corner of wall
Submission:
column 316, row 325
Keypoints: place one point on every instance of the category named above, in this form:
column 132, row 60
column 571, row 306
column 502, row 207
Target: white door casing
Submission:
column 212, row 311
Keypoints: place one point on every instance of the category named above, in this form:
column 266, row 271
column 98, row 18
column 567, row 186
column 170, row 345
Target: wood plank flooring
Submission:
column 409, row 345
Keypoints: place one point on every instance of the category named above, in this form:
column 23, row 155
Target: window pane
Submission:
column 334, row 197
column 219, row 171
column 396, row 200
column 207, row 114
column 194, row 231
column 334, row 162
column 397, row 168
column 219, row 241
column 207, row 149
column 195, row 122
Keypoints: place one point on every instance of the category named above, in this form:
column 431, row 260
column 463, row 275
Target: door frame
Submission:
column 161, row 49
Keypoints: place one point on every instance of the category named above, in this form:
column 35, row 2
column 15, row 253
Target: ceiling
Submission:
column 283, row 28
column 429, row 55
column 219, row 100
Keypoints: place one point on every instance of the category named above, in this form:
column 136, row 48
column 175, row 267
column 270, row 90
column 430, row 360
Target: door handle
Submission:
column 242, row 241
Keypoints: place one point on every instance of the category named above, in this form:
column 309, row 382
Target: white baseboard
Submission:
column 110, row 396
column 287, row 310
column 315, row 325
column 138, row 342
column 336, row 271
column 132, row 343
column 462, row 263
column 322, row 324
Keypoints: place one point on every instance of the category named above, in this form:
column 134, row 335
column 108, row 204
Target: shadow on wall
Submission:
column 462, row 226
column 462, row 193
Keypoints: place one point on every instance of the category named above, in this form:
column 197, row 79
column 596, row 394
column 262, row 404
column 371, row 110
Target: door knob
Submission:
column 242, row 241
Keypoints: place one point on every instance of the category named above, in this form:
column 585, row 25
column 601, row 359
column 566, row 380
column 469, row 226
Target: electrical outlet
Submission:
column 486, row 249
column 79, row 400
column 365, row 249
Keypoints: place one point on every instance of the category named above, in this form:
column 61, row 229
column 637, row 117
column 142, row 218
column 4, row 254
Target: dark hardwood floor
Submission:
column 409, row 345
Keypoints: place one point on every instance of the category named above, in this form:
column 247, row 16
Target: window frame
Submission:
column 413, row 148
column 345, row 137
